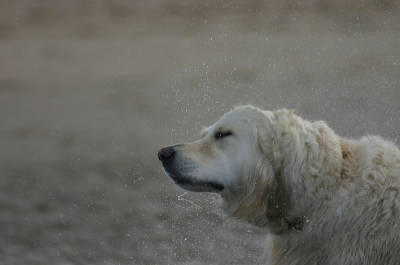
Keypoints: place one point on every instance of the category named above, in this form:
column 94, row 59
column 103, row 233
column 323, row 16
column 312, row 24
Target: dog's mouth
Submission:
column 199, row 186
column 190, row 184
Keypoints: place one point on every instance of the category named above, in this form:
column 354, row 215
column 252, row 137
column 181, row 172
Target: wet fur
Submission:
column 324, row 199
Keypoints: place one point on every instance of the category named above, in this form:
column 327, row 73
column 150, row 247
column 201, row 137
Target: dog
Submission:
column 323, row 199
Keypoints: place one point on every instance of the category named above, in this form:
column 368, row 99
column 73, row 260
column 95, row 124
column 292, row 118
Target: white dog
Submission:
column 325, row 200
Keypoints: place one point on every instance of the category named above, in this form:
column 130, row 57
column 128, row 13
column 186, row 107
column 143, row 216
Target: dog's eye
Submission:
column 220, row 135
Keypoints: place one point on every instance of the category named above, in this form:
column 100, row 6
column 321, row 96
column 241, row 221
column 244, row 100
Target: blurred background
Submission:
column 90, row 90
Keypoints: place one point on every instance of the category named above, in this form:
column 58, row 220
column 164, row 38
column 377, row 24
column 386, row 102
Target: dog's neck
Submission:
column 283, row 225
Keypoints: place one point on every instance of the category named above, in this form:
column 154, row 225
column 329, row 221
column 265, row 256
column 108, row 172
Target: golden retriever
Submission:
column 324, row 199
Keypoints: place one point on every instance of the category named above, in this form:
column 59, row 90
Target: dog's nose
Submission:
column 166, row 153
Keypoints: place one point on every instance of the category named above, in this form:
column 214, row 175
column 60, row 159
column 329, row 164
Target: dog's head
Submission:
column 235, row 158
column 269, row 167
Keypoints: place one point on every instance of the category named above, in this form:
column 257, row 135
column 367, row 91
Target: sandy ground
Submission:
column 90, row 90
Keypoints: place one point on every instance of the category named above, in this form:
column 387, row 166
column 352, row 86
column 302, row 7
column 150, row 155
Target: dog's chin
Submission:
column 190, row 184
column 200, row 186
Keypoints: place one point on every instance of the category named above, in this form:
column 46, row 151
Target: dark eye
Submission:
column 220, row 135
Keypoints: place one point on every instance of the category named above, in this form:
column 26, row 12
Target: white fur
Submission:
column 325, row 199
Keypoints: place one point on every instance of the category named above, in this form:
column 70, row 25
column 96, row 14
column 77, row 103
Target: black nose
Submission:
column 165, row 154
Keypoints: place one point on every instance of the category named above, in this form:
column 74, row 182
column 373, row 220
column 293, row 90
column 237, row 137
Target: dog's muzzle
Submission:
column 179, row 171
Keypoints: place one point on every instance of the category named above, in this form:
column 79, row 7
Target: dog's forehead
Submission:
column 205, row 131
column 269, row 114
column 242, row 114
column 234, row 118
column 239, row 116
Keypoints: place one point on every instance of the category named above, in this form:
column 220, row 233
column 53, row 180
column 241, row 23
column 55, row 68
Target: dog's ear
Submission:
column 268, row 138
column 276, row 126
column 278, row 201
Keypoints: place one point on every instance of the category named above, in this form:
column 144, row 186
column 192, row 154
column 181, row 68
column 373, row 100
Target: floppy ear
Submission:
column 277, row 199
column 268, row 138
